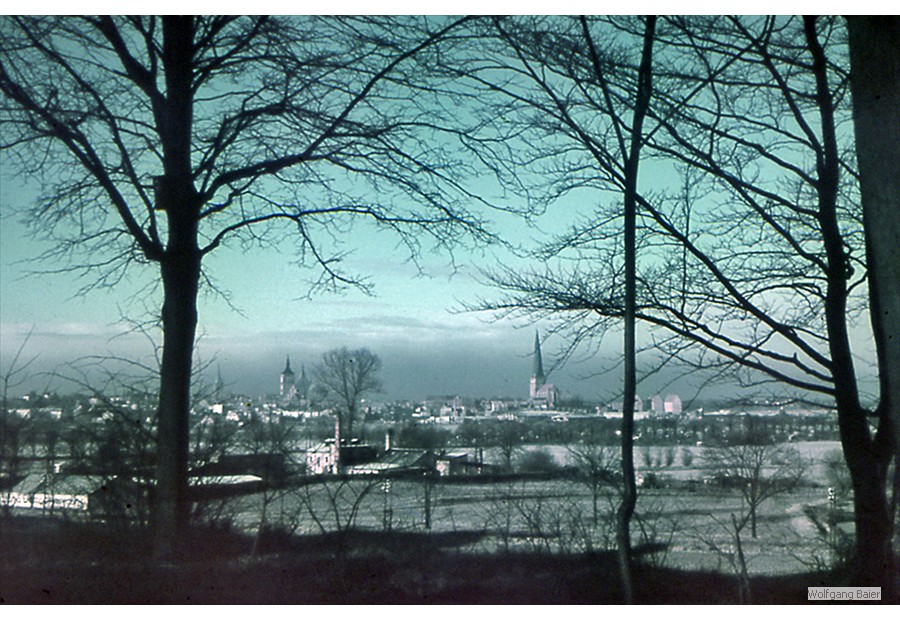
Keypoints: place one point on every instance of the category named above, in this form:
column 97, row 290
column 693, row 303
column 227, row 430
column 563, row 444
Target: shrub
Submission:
column 838, row 475
column 669, row 456
column 537, row 461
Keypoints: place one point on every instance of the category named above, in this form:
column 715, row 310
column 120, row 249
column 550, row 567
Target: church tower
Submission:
column 219, row 390
column 303, row 384
column 287, row 379
column 537, row 372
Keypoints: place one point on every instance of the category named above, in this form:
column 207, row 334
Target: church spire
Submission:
column 219, row 390
column 538, row 368
column 303, row 383
column 286, row 382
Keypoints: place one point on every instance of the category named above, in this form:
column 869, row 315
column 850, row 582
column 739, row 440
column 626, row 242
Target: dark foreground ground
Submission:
column 57, row 562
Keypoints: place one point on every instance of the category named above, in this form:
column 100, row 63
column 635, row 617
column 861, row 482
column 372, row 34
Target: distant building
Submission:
column 327, row 458
column 452, row 464
column 541, row 393
column 293, row 390
column 620, row 405
column 286, row 383
column 672, row 404
column 443, row 404
column 394, row 462
column 322, row 458
column 337, row 456
column 302, row 385
column 656, row 405
column 219, row 389
column 495, row 406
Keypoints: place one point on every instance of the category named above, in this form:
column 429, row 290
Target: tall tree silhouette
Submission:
column 575, row 105
column 753, row 269
column 158, row 140
column 348, row 376
column 875, row 83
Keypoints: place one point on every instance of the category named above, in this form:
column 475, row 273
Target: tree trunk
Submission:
column 872, row 520
column 180, row 274
column 629, row 495
column 428, row 489
column 866, row 456
column 744, row 588
column 179, row 316
column 629, row 500
column 875, row 86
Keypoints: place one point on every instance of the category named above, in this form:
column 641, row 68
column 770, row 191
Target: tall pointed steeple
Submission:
column 538, row 369
column 303, row 383
column 219, row 390
column 287, row 379
column 543, row 395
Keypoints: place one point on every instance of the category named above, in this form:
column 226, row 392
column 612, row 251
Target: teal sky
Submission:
column 413, row 321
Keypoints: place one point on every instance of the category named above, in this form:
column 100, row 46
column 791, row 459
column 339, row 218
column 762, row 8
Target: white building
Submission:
column 673, row 404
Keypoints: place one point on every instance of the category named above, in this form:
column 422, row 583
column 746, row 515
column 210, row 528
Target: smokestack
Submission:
column 336, row 455
column 388, row 439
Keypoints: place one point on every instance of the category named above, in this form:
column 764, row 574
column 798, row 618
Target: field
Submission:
column 529, row 538
column 679, row 523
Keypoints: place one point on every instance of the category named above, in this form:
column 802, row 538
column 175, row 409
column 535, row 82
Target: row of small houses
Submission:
column 337, row 456
column 67, row 489
column 115, row 498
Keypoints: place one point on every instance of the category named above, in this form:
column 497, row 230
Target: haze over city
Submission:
column 416, row 320
column 417, row 317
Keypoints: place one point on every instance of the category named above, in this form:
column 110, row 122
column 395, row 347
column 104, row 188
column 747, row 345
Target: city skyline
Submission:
column 406, row 317
column 415, row 317
column 415, row 320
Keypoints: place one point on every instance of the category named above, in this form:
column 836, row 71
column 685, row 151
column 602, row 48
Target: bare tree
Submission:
column 795, row 278
column 598, row 468
column 507, row 436
column 751, row 271
column 111, row 434
column 875, row 83
column 631, row 161
column 732, row 551
column 12, row 426
column 347, row 377
column 588, row 103
column 272, row 442
column 334, row 503
column 159, row 140
column 758, row 469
